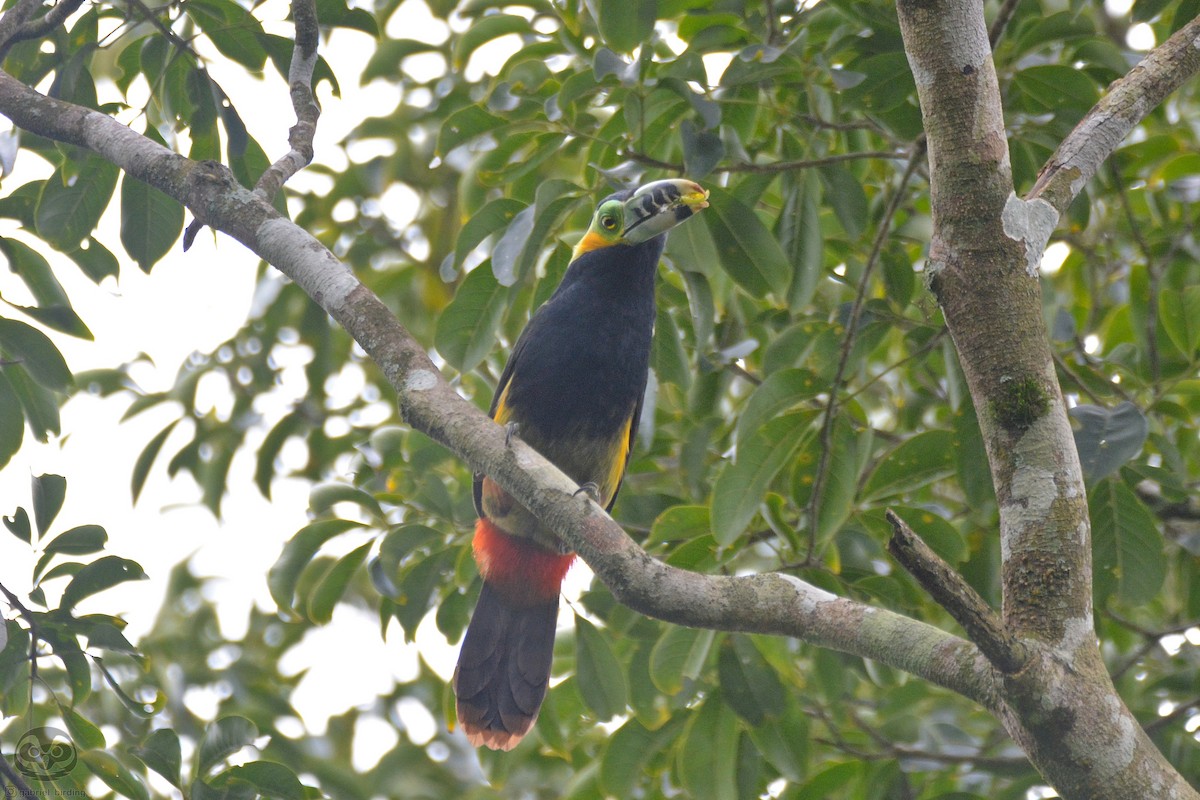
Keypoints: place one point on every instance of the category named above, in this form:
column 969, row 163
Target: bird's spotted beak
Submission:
column 659, row 206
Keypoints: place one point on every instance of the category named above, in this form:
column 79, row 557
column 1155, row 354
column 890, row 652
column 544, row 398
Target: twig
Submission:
column 300, row 73
column 885, row 224
column 34, row 638
column 1152, row 270
column 954, row 594
column 301, row 135
column 774, row 166
column 37, row 28
column 1003, row 16
column 1167, row 719
column 1127, row 102
column 10, row 774
column 13, row 21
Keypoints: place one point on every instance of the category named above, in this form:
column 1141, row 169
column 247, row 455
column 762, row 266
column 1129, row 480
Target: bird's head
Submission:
column 634, row 216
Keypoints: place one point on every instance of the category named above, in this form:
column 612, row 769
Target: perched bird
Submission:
column 572, row 390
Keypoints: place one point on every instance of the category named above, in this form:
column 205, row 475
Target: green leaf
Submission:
column 628, row 753
column 79, row 673
column 115, row 774
column 784, row 743
column 83, row 733
column 841, row 476
column 601, row 678
column 741, row 484
column 151, row 222
column 748, row 683
column 466, row 328
column 626, row 24
column 679, row 654
column 333, row 583
column 78, row 541
column 145, row 460
column 1127, row 548
column 234, row 31
column 780, row 392
column 913, row 463
column 702, row 150
column 707, row 759
column 484, row 30
column 1057, row 89
column 848, row 198
column 801, row 239
column 515, row 255
column 667, row 356
column 34, row 351
column 104, row 573
column 830, row 781
column 298, row 553
column 49, row 492
column 292, row 424
column 53, row 307
column 681, row 523
column 1108, row 439
column 68, row 210
column 746, row 249
column 161, row 753
column 464, row 125
column 324, row 496
column 96, row 260
column 142, row 709
column 18, row 525
column 12, row 421
column 1180, row 314
column 39, row 404
column 223, row 738
column 495, row 216
column 268, row 778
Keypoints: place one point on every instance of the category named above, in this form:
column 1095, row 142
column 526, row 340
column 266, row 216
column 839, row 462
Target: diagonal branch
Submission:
column 767, row 603
column 1128, row 101
column 304, row 102
column 300, row 73
column 955, row 595
column 14, row 31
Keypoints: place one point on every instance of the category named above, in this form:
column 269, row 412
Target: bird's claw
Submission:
column 511, row 431
column 591, row 489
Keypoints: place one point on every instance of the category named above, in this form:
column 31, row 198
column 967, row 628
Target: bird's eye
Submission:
column 608, row 223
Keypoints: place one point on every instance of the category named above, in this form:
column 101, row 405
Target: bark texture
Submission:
column 983, row 267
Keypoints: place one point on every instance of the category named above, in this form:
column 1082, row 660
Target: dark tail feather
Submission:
column 504, row 668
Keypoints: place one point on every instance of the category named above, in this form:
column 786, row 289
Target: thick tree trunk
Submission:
column 983, row 268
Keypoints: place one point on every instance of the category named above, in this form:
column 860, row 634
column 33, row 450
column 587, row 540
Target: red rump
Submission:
column 520, row 570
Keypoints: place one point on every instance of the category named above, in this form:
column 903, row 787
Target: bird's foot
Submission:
column 591, row 489
column 511, row 431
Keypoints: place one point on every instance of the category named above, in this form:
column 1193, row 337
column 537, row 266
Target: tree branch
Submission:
column 955, row 595
column 301, row 135
column 304, row 102
column 767, row 603
column 23, row 789
column 777, row 166
column 983, row 268
column 35, row 28
column 1128, row 101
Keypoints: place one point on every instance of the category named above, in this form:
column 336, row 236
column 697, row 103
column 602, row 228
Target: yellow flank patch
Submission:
column 590, row 241
column 616, row 468
column 502, row 411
